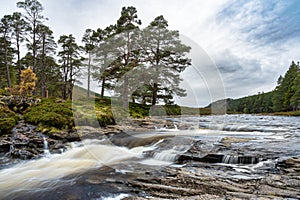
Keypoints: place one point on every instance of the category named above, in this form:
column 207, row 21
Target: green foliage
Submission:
column 165, row 57
column 139, row 110
column 260, row 103
column 6, row 58
column 4, row 92
column 94, row 113
column 295, row 99
column 291, row 113
column 172, row 109
column 50, row 113
column 105, row 119
column 286, row 94
column 70, row 60
column 8, row 120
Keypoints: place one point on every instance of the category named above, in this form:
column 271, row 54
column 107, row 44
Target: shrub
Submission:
column 139, row 110
column 8, row 120
column 50, row 113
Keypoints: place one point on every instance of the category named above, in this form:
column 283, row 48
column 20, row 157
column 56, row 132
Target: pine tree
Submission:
column 6, row 56
column 34, row 18
column 5, row 30
column 126, row 44
column 105, row 62
column 18, row 25
column 166, row 55
column 295, row 99
column 89, row 47
column 287, row 85
column 70, row 63
column 45, row 50
column 277, row 96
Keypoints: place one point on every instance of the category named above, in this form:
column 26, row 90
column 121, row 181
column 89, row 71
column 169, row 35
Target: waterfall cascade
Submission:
column 46, row 146
column 229, row 159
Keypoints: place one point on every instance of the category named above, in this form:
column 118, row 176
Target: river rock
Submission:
column 22, row 154
column 25, row 142
column 19, row 103
column 227, row 141
column 64, row 136
column 290, row 165
column 5, row 145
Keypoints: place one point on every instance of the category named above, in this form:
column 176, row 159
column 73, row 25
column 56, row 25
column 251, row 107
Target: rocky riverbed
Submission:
column 245, row 157
column 195, row 180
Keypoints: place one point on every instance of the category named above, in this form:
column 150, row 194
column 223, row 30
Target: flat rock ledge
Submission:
column 195, row 182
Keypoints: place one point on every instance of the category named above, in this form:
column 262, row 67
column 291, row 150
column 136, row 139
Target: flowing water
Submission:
column 103, row 163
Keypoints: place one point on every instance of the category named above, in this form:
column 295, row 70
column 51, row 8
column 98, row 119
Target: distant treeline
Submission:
column 285, row 97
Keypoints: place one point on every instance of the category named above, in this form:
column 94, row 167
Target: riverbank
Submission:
column 290, row 113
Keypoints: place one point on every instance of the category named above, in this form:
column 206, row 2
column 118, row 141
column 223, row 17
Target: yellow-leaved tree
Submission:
column 28, row 80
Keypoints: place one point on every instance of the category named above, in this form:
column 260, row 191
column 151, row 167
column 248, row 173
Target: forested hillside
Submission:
column 285, row 97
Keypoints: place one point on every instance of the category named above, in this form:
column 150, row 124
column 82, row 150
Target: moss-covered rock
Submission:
column 96, row 113
column 139, row 110
column 50, row 113
column 8, row 120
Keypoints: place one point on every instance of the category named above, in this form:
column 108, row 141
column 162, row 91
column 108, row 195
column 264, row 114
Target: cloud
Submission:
column 257, row 41
column 263, row 22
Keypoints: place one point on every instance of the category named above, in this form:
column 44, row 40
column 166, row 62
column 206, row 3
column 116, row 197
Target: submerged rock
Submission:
column 227, row 141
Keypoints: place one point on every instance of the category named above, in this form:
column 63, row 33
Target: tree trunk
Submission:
column 71, row 77
column 34, row 67
column 102, row 88
column 65, row 88
column 71, row 91
column 154, row 94
column 144, row 100
column 19, row 58
column 34, row 47
column 43, row 84
column 125, row 92
column 6, row 64
column 65, row 81
column 89, row 75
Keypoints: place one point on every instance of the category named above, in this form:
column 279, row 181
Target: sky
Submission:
column 239, row 47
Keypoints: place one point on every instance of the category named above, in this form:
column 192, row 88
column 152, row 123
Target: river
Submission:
column 242, row 147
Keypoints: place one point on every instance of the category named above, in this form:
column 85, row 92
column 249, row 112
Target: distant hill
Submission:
column 284, row 98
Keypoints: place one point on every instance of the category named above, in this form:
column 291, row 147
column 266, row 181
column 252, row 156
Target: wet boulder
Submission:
column 219, row 158
column 290, row 165
column 5, row 145
column 22, row 154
